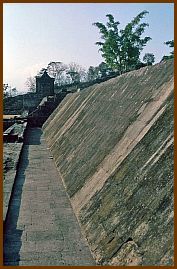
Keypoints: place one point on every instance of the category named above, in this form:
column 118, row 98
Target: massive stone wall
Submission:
column 20, row 103
column 113, row 147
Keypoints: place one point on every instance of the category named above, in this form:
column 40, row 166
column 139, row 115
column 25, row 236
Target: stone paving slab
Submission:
column 41, row 228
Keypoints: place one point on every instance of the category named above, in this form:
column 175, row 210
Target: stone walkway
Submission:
column 41, row 228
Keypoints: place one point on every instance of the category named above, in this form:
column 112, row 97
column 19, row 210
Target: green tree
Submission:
column 149, row 58
column 169, row 43
column 121, row 48
column 92, row 73
column 103, row 69
column 100, row 71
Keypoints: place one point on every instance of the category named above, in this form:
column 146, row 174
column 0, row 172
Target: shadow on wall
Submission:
column 13, row 230
column 31, row 139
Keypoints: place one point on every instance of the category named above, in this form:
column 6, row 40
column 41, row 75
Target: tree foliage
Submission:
column 8, row 91
column 121, row 48
column 92, row 73
column 75, row 73
column 149, row 58
column 57, row 70
column 31, row 84
column 100, row 71
column 14, row 91
column 63, row 74
column 169, row 43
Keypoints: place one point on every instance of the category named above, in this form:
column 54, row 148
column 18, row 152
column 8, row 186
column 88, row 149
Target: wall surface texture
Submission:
column 113, row 146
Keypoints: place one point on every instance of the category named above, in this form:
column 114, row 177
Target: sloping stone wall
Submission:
column 113, row 146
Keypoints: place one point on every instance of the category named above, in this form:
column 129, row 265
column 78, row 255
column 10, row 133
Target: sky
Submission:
column 35, row 34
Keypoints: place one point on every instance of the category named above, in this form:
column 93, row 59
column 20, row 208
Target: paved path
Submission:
column 41, row 228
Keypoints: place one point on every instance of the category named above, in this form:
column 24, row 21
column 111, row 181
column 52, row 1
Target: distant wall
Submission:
column 19, row 103
column 113, row 147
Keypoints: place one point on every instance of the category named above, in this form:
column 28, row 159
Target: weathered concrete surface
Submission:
column 41, row 228
column 113, row 146
column 11, row 154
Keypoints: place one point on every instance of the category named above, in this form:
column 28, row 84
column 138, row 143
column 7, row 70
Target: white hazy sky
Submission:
column 36, row 34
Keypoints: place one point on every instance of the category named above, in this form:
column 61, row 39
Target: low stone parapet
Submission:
column 11, row 155
column 13, row 138
column 15, row 133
